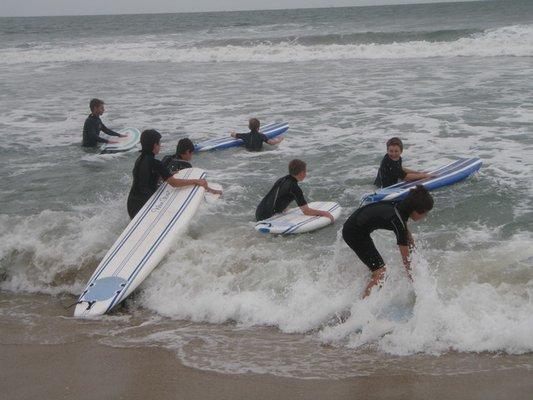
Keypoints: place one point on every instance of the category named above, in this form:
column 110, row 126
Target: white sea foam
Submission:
column 507, row 41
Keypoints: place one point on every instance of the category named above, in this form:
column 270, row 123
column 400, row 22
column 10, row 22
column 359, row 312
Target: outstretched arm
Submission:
column 178, row 182
column 109, row 132
column 319, row 213
column 275, row 140
column 415, row 175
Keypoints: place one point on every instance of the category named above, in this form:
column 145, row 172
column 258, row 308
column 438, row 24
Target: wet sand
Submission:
column 88, row 370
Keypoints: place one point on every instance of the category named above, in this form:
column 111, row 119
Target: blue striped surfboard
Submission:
column 294, row 221
column 270, row 130
column 443, row 176
column 141, row 246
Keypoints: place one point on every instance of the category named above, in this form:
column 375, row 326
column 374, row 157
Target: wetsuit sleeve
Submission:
column 93, row 132
column 166, row 161
column 108, row 131
column 379, row 178
column 264, row 137
column 241, row 136
column 296, row 191
column 161, row 170
column 401, row 232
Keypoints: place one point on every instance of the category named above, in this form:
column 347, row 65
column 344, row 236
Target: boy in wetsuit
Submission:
column 390, row 216
column 148, row 171
column 284, row 191
column 391, row 170
column 253, row 140
column 93, row 125
column 180, row 160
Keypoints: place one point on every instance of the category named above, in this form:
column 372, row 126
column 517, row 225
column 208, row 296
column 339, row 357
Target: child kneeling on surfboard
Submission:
column 284, row 191
column 391, row 170
column 254, row 139
column 390, row 216
column 180, row 160
column 148, row 171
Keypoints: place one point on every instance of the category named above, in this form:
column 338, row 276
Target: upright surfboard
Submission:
column 142, row 245
column 442, row 176
column 127, row 143
column 294, row 221
column 270, row 130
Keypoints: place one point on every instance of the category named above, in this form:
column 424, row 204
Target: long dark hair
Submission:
column 149, row 137
column 419, row 199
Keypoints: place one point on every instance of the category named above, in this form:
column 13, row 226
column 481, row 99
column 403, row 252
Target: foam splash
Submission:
column 506, row 41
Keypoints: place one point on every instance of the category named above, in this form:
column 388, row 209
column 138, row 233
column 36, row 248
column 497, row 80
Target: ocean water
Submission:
column 452, row 80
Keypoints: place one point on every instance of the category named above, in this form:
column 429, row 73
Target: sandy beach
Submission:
column 88, row 370
column 56, row 356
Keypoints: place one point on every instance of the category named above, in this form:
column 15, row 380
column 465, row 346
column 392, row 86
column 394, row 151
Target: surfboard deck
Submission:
column 131, row 141
column 270, row 130
column 142, row 245
column 443, row 176
column 294, row 221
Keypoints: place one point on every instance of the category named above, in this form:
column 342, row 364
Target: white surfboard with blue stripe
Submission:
column 142, row 245
column 294, row 220
column 443, row 176
column 270, row 130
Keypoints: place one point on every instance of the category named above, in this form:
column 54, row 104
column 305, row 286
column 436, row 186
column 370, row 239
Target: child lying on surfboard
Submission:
column 284, row 191
column 391, row 170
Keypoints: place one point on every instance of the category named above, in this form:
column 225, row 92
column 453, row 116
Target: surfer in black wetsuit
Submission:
column 254, row 139
column 93, row 125
column 391, row 170
column 148, row 171
column 284, row 191
column 180, row 160
column 390, row 216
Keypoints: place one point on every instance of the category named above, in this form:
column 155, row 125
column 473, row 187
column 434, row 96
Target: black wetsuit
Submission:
column 284, row 191
column 175, row 163
column 91, row 131
column 253, row 140
column 390, row 172
column 146, row 174
column 384, row 215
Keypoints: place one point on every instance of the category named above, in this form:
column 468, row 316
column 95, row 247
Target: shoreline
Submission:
column 88, row 370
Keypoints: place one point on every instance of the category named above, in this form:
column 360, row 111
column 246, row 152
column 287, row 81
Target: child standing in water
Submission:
column 390, row 216
column 93, row 125
column 391, row 170
column 148, row 171
column 253, row 140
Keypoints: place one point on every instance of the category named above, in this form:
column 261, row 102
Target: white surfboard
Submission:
column 294, row 221
column 142, row 245
column 127, row 143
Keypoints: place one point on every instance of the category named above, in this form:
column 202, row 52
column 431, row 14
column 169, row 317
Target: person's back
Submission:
column 381, row 215
column 284, row 191
column 254, row 139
